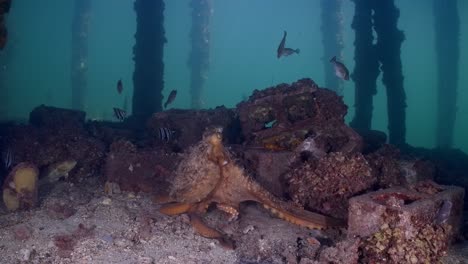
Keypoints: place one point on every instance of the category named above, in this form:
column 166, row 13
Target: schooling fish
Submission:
column 165, row 134
column 120, row 114
column 444, row 212
column 340, row 69
column 171, row 98
column 282, row 50
column 119, row 86
column 7, row 157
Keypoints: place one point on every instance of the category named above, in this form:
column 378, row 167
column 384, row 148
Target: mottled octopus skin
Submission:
column 234, row 187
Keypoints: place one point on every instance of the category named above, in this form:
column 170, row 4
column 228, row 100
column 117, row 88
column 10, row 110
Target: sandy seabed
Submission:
column 78, row 223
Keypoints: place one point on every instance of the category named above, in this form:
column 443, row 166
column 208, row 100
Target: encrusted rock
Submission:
column 130, row 169
column 386, row 164
column 53, row 117
column 407, row 209
column 393, row 169
column 268, row 167
column 281, row 117
column 406, row 225
column 325, row 185
column 45, row 146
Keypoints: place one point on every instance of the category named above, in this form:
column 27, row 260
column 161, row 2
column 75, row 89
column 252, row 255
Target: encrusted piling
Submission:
column 150, row 38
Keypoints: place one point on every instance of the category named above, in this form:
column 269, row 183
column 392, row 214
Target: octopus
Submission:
column 208, row 175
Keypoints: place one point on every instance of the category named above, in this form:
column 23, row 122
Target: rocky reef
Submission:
column 55, row 135
column 286, row 148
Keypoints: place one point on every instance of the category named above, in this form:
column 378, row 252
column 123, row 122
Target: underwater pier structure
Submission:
column 4, row 8
column 447, row 44
column 150, row 38
column 79, row 50
column 382, row 17
column 389, row 42
column 332, row 39
column 366, row 69
column 200, row 44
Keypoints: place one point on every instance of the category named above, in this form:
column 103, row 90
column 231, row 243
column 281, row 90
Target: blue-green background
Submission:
column 35, row 66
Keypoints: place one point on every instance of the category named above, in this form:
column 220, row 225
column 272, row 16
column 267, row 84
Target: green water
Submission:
column 244, row 38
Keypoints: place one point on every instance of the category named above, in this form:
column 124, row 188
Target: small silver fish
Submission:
column 7, row 158
column 340, row 69
column 120, row 114
column 444, row 212
column 282, row 50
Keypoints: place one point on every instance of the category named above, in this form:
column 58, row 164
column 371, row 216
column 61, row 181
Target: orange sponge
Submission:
column 20, row 190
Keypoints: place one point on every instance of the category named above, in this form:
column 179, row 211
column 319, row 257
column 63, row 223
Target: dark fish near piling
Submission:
column 282, row 50
column 171, row 98
column 120, row 114
column 444, row 212
column 119, row 86
column 340, row 69
column 165, row 134
column 7, row 158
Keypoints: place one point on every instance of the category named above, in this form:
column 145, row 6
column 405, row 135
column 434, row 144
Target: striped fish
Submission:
column 120, row 114
column 165, row 134
column 7, row 157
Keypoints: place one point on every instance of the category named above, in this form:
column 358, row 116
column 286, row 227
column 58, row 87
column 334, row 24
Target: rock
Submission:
column 327, row 184
column 136, row 170
column 405, row 208
column 281, row 117
column 416, row 170
column 53, row 117
column 386, row 164
column 372, row 140
column 345, row 252
column 48, row 146
column 268, row 167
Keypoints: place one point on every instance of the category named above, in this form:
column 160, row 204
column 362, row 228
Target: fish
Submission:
column 58, row 170
column 340, row 69
column 120, row 114
column 119, row 86
column 7, row 157
column 282, row 50
column 165, row 134
column 444, row 212
column 171, row 98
